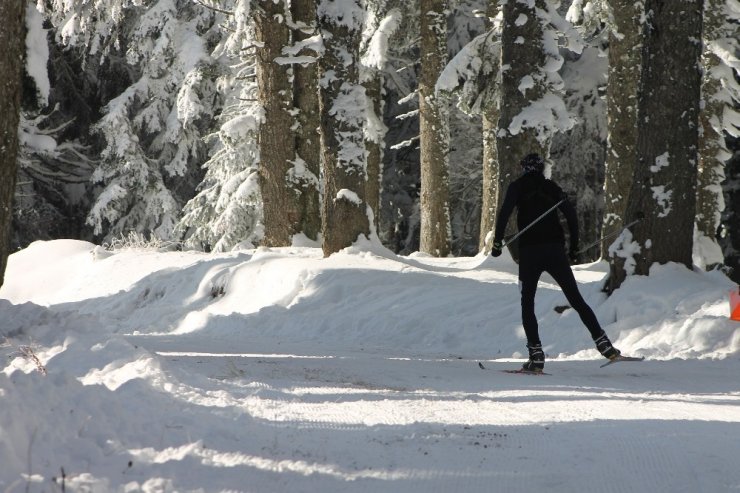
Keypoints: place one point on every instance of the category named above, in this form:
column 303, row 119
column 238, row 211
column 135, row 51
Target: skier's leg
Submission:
column 530, row 269
column 559, row 268
column 529, row 275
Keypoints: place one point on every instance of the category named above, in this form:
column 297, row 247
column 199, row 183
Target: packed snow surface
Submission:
column 278, row 370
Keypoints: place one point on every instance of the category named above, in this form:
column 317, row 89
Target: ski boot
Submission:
column 536, row 363
column 604, row 345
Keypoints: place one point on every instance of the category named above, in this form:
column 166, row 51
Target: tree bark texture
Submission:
column 625, row 67
column 12, row 41
column 374, row 91
column 664, row 184
column 490, row 198
column 434, row 132
column 342, row 98
column 490, row 187
column 307, row 138
column 518, row 60
column 280, row 193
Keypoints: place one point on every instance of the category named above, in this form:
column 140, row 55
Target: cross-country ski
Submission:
column 620, row 358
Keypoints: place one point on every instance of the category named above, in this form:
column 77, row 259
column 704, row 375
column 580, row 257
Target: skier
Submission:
column 542, row 249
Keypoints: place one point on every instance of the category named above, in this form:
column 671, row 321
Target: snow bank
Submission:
column 366, row 295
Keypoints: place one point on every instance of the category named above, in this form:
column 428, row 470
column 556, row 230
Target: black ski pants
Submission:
column 550, row 258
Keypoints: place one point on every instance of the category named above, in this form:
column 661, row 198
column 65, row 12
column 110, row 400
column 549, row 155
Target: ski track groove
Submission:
column 354, row 425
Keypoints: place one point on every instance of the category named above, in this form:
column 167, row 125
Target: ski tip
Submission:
column 622, row 358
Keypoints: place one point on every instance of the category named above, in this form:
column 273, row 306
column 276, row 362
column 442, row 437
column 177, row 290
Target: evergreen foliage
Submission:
column 144, row 116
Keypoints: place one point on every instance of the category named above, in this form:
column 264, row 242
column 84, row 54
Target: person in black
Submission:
column 542, row 249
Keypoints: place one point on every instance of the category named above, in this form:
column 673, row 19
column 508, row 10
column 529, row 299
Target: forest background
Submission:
column 155, row 119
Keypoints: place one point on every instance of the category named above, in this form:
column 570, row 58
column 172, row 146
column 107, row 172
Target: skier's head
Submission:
column 532, row 163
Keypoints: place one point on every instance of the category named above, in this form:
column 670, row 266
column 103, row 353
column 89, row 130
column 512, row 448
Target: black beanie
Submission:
column 533, row 162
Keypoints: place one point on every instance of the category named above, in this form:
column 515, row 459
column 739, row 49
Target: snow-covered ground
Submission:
column 276, row 370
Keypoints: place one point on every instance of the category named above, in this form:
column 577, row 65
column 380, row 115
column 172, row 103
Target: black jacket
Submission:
column 532, row 194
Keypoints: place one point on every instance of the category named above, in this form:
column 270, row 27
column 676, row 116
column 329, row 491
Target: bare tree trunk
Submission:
column 491, row 164
column 12, row 40
column 307, row 139
column 277, row 149
column 342, row 117
column 489, row 203
column 625, row 67
column 664, row 184
column 518, row 60
column 434, row 132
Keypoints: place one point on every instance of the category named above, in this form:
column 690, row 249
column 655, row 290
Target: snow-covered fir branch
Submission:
column 227, row 209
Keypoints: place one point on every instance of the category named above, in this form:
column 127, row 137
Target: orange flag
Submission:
column 735, row 305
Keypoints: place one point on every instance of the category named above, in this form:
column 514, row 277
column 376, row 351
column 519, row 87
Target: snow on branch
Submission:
column 544, row 116
column 591, row 15
column 472, row 73
column 346, row 14
column 572, row 38
column 376, row 53
column 313, row 44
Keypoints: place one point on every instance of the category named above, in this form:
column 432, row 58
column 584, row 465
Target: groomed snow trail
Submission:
column 327, row 420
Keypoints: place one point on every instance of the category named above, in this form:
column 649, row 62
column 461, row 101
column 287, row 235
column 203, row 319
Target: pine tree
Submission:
column 434, row 132
column 399, row 217
column 720, row 92
column 227, row 210
column 54, row 166
column 153, row 129
column 578, row 155
column 11, row 65
column 664, row 181
column 380, row 25
column 345, row 211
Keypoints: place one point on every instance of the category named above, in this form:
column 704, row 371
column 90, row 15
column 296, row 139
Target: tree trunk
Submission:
column 491, row 165
column 489, row 202
column 12, row 40
column 664, row 184
column 344, row 211
column 518, row 60
column 434, row 132
column 307, row 139
column 712, row 150
column 625, row 67
column 374, row 91
column 277, row 149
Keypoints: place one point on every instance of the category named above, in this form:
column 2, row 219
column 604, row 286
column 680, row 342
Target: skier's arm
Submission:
column 572, row 218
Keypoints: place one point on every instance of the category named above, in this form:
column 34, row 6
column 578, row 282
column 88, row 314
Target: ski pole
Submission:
column 513, row 238
column 640, row 216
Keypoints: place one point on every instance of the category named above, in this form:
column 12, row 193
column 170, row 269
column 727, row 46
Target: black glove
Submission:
column 498, row 246
column 573, row 254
